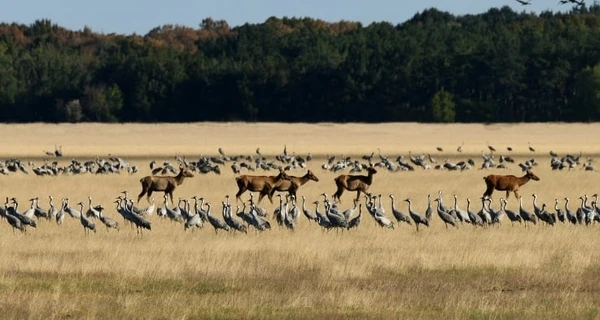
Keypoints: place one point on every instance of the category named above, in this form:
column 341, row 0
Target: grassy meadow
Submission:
column 501, row 272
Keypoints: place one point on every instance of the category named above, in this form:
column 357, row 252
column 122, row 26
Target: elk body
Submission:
column 162, row 183
column 508, row 183
column 261, row 184
column 354, row 183
column 293, row 184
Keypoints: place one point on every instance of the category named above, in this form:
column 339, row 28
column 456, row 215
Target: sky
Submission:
column 140, row 16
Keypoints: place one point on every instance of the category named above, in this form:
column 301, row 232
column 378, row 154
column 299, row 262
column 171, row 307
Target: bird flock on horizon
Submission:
column 290, row 161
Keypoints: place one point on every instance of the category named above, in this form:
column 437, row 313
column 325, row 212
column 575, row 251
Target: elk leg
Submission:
column 516, row 194
column 508, row 193
column 260, row 196
column 141, row 195
column 338, row 194
column 357, row 194
column 239, row 193
column 149, row 194
column 170, row 193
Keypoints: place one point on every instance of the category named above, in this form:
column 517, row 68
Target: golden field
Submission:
column 501, row 272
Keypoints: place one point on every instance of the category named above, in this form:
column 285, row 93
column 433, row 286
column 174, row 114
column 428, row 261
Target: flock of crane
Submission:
column 196, row 213
column 291, row 161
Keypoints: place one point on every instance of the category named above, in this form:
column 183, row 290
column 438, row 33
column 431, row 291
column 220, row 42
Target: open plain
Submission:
column 497, row 272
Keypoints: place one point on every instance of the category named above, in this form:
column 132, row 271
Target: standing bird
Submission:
column 52, row 212
column 445, row 216
column 560, row 213
column 459, row 149
column 14, row 222
column 215, row 222
column 307, row 213
column 416, row 218
column 108, row 222
column 400, row 217
column 85, row 222
column 526, row 215
column 355, row 222
column 429, row 210
column 512, row 216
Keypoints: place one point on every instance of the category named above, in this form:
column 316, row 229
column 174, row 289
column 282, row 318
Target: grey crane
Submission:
column 149, row 210
column 350, row 212
column 462, row 215
column 307, row 213
column 85, row 222
column 498, row 216
column 108, row 222
column 475, row 219
column 400, row 216
column 215, row 222
column 195, row 220
column 14, row 222
column 512, row 216
column 355, row 222
column 72, row 212
column 39, row 212
column 30, row 213
column 162, row 211
column 293, row 211
column 258, row 222
column 568, row 213
column 536, row 209
column 484, row 213
column 138, row 220
column 128, row 214
column 25, row 220
column 429, row 210
column 91, row 211
column 52, row 211
column 230, row 221
column 322, row 219
column 526, row 215
column 445, row 216
column 415, row 217
column 336, row 219
column 560, row 213
column 60, row 215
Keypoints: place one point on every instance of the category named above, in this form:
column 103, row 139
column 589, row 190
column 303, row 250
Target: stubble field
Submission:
column 499, row 272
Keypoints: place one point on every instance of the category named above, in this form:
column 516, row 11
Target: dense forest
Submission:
column 499, row 66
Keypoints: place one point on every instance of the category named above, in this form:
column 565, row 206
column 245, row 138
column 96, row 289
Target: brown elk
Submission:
column 354, row 183
column 507, row 183
column 166, row 184
column 261, row 184
column 293, row 184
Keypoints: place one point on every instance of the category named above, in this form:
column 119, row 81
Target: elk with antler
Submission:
column 166, row 184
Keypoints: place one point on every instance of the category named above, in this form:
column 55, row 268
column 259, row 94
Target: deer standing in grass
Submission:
column 353, row 183
column 293, row 184
column 507, row 183
column 261, row 184
column 166, row 184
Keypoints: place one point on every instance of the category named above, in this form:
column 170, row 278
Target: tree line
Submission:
column 498, row 66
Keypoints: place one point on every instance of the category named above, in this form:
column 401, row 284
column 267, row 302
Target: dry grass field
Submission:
column 501, row 272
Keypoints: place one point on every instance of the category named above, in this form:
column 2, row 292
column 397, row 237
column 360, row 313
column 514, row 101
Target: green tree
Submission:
column 586, row 103
column 442, row 107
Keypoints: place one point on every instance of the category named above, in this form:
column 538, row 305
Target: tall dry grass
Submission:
column 499, row 272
